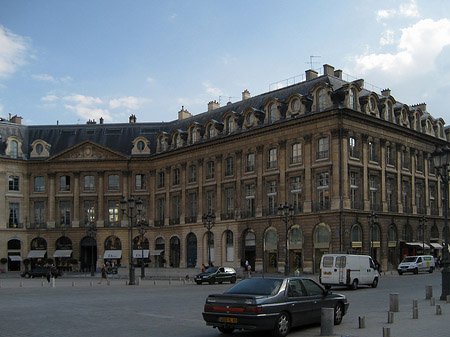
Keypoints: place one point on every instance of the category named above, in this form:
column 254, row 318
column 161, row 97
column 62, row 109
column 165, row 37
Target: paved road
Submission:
column 81, row 307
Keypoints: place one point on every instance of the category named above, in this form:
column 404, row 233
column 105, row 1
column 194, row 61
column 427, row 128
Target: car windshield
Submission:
column 256, row 286
column 211, row 270
column 409, row 259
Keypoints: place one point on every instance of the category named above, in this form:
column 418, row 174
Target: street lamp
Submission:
column 209, row 221
column 441, row 158
column 286, row 213
column 372, row 218
column 142, row 230
column 423, row 226
column 92, row 232
column 131, row 204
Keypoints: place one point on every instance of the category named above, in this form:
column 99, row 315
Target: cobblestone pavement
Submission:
column 79, row 306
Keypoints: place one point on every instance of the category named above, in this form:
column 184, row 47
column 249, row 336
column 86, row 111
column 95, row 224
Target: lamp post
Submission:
column 372, row 218
column 286, row 213
column 142, row 230
column 132, row 215
column 423, row 226
column 441, row 158
column 209, row 221
column 92, row 232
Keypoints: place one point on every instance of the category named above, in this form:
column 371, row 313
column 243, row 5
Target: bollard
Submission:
column 438, row 310
column 415, row 304
column 169, row 280
column 390, row 317
column 448, row 298
column 21, row 285
column 415, row 313
column 154, row 282
column 393, row 302
column 42, row 283
column 386, row 331
column 362, row 322
column 327, row 322
column 52, row 282
column 91, row 284
column 428, row 292
column 432, row 301
column 108, row 283
column 126, row 282
column 139, row 281
column 73, row 284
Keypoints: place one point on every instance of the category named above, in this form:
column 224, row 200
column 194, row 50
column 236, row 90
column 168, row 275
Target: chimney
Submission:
column 15, row 119
column 245, row 95
column 101, row 120
column 421, row 106
column 338, row 74
column 310, row 74
column 182, row 114
column 132, row 119
column 213, row 105
column 386, row 92
column 328, row 70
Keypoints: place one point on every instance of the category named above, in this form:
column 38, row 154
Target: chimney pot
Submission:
column 310, row 74
column 245, row 95
column 328, row 70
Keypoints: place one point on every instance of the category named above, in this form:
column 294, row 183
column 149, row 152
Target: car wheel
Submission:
column 338, row 313
column 431, row 270
column 220, row 282
column 354, row 285
column 226, row 330
column 400, row 272
column 233, row 279
column 198, row 282
column 416, row 271
column 282, row 326
column 212, row 280
column 375, row 282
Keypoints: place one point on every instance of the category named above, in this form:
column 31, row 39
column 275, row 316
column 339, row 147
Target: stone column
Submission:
column 100, row 198
column 365, row 178
column 76, row 200
column 282, row 164
column 383, row 174
column 200, row 196
column 259, row 179
column 51, row 200
column 308, row 183
column 183, row 193
column 167, row 206
column 218, row 177
column 399, row 178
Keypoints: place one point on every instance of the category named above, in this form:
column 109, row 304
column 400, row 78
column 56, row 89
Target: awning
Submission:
column 15, row 257
column 137, row 254
column 156, row 252
column 436, row 245
column 36, row 254
column 418, row 244
column 112, row 254
column 62, row 253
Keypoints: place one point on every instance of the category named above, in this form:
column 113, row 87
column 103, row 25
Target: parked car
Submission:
column 41, row 272
column 348, row 270
column 414, row 264
column 216, row 274
column 276, row 304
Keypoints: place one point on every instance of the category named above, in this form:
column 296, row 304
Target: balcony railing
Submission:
column 112, row 224
column 392, row 208
column 37, row 225
column 159, row 223
column 376, row 207
column 227, row 215
column 320, row 206
column 190, row 219
column 356, row 205
column 267, row 211
column 421, row 210
column 434, row 211
column 15, row 225
column 174, row 221
column 247, row 214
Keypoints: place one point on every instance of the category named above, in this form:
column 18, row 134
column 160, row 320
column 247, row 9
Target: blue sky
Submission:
column 71, row 61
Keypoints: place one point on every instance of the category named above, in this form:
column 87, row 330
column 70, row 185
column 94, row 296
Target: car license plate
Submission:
column 228, row 319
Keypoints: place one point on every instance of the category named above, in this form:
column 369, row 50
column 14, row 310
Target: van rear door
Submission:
column 341, row 263
column 327, row 267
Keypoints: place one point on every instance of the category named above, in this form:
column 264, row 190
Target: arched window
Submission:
column 321, row 99
column 176, row 140
column 14, row 244
column 210, row 132
column 295, row 238
column 295, row 106
column 434, row 234
column 162, row 144
column 229, row 244
column 322, row 235
column 38, row 244
column 271, row 239
column 389, row 111
column 113, row 243
column 352, row 99
column 392, row 234
column 272, row 113
column 356, row 234
column 194, row 136
column 174, row 252
column 14, row 149
column 230, row 125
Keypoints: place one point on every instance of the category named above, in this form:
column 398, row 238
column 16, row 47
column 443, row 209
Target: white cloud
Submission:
column 211, row 90
column 87, row 107
column 129, row 102
column 406, row 10
column 418, row 48
column 49, row 98
column 83, row 100
column 150, row 80
column 43, row 77
column 387, row 38
column 13, row 52
column 1, row 108
column 173, row 16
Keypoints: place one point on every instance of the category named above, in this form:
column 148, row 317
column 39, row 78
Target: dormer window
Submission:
column 272, row 113
column 176, row 140
column 14, row 149
column 230, row 124
column 295, row 106
column 352, row 99
column 39, row 148
column 162, row 144
column 140, row 146
column 372, row 104
column 389, row 111
column 321, row 100
column 250, row 119
column 210, row 132
column 194, row 135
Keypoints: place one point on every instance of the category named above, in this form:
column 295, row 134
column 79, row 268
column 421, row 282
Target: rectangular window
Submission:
column 113, row 182
column 272, row 197
column 405, row 160
column 13, row 215
column 373, row 189
column 161, row 178
column 322, row 148
column 64, row 183
column 64, row 213
column 192, row 174
column 13, row 183
column 389, row 156
column 372, row 152
column 210, row 170
column 323, row 194
column 229, row 166
column 210, row 201
column 296, row 153
column 113, row 212
column 250, row 162
column 296, row 193
column 175, row 209
column 89, row 211
column 39, row 184
column 193, row 205
column 353, row 151
column 272, row 159
column 354, row 186
column 89, row 183
column 250, row 200
column 140, row 181
column 405, row 196
column 161, row 211
column 229, row 200
column 39, row 213
column 176, row 176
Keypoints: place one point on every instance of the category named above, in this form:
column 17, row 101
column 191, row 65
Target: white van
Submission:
column 348, row 270
column 414, row 264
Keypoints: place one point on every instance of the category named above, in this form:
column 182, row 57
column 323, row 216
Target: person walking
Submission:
column 104, row 275
column 48, row 275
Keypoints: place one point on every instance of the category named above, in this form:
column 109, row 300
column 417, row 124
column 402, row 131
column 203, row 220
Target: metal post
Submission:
column 372, row 217
column 286, row 213
column 208, row 223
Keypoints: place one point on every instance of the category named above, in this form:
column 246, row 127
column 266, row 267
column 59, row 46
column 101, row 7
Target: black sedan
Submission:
column 216, row 274
column 275, row 304
column 40, row 272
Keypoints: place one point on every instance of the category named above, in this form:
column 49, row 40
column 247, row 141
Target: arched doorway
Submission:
column 63, row 253
column 160, row 247
column 38, row 252
column 375, row 242
column 321, row 244
column 14, row 258
column 249, row 248
column 295, row 249
column 356, row 239
column 174, row 257
column 141, row 250
column 191, row 250
column 229, row 246
column 271, row 250
column 113, row 251
column 392, row 247
column 88, row 254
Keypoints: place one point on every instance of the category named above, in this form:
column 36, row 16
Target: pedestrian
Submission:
column 48, row 275
column 104, row 275
column 203, row 268
column 245, row 267
column 249, row 271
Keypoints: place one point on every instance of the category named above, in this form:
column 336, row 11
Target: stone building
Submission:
column 352, row 165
